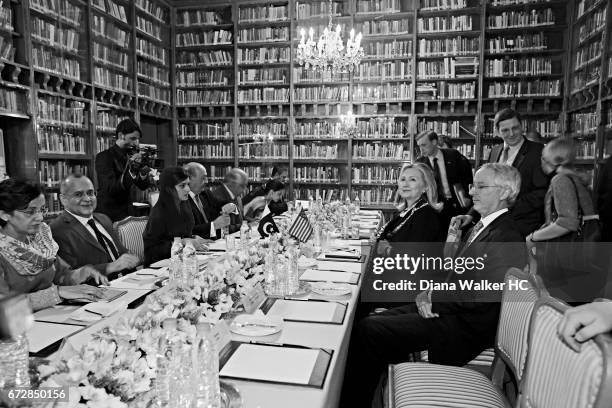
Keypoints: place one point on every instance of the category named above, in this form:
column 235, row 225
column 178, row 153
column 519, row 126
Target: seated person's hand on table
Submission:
column 222, row 221
column 88, row 272
column 125, row 261
column 423, row 302
column 229, row 208
column 383, row 247
column 198, row 243
column 582, row 323
column 84, row 292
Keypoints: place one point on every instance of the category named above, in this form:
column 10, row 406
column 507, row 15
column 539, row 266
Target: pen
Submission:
column 266, row 343
column 91, row 311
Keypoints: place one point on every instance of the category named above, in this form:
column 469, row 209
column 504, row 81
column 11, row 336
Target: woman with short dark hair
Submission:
column 269, row 195
column 170, row 217
column 28, row 261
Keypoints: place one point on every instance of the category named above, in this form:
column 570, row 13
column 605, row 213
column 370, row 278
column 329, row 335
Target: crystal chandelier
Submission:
column 329, row 53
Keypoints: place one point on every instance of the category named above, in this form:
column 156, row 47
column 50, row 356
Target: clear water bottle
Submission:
column 346, row 224
column 293, row 280
column 317, row 237
column 190, row 263
column 356, row 205
column 310, row 203
column 165, row 364
column 14, row 362
column 207, row 392
column 244, row 234
column 176, row 264
column 182, row 393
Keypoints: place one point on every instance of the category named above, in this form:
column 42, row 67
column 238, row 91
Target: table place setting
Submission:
column 323, row 275
column 256, row 324
column 306, row 310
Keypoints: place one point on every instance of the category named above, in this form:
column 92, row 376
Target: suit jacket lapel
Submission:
column 520, row 156
column 495, row 152
column 85, row 235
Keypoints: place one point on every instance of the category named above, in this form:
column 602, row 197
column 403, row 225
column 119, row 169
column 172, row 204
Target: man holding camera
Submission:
column 118, row 169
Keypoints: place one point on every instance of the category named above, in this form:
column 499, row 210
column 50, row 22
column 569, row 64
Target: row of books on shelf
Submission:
column 246, row 35
column 445, row 90
column 375, row 195
column 379, row 6
column 585, row 78
column 63, row 38
column 324, row 129
column 53, row 203
column 263, row 13
column 387, row 49
column 375, row 174
column 6, row 18
column 153, row 72
column 218, row 172
column 188, row 59
column 584, row 123
column 518, row 66
column 58, row 110
column 187, row 18
column 104, row 143
column 112, row 8
column 108, row 30
column 439, row 24
column 384, row 27
column 195, row 97
column 383, row 70
column 315, row 151
column 12, row 101
column 216, row 151
column 7, row 52
column 458, row 67
column 255, row 95
column 585, row 6
column 108, row 120
column 521, row 18
column 154, row 92
column 519, row 42
column 263, row 55
column 113, row 80
column 444, row 46
column 204, row 130
column 306, row 75
column 327, row 194
column 267, row 75
column 203, row 78
column 305, row 10
column 204, row 38
column 55, row 140
column 152, row 51
column 449, row 128
column 387, row 92
column 525, row 88
column 273, row 129
column 59, row 8
column 321, row 93
column 375, row 128
column 548, row 128
column 593, row 23
column 585, row 149
column 264, row 150
column 382, row 150
column 153, row 8
column 110, row 56
column 50, row 173
column 316, row 173
column 587, row 54
column 149, row 27
column 435, row 5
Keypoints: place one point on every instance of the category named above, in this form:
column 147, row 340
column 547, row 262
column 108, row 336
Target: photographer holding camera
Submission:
column 119, row 168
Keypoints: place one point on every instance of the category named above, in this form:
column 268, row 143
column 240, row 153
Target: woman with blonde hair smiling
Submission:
column 417, row 219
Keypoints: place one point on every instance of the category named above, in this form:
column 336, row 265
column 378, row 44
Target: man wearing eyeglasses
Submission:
column 85, row 237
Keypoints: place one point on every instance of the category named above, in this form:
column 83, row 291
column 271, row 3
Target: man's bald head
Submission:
column 237, row 181
column 77, row 195
column 198, row 177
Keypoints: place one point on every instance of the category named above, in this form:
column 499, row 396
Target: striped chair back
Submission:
column 558, row 377
column 521, row 291
column 130, row 231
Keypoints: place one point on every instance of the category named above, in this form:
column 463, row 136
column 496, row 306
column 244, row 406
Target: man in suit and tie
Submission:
column 525, row 156
column 216, row 200
column 453, row 174
column 118, row 170
column 84, row 236
column 454, row 325
column 198, row 178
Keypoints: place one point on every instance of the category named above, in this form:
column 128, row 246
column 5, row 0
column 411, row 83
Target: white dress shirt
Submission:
column 488, row 220
column 512, row 152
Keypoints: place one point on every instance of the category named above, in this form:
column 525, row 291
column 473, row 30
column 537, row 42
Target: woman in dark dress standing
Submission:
column 170, row 217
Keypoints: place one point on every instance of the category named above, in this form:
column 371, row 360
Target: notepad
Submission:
column 218, row 245
column 42, row 334
column 340, row 266
column 270, row 363
column 321, row 275
column 306, row 311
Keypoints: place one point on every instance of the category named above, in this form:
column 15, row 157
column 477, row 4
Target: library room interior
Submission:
column 306, row 203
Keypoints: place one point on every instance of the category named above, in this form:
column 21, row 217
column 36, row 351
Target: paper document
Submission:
column 308, row 311
column 328, row 276
column 43, row 334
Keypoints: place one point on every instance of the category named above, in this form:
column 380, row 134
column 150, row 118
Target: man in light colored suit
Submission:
column 85, row 237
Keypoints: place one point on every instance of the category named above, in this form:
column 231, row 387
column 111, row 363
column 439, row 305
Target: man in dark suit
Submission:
column 85, row 237
column 226, row 198
column 118, row 171
column 525, row 156
column 454, row 325
column 453, row 174
column 198, row 178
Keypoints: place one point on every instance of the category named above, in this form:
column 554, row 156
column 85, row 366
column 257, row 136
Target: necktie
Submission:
column 504, row 155
column 106, row 243
column 438, row 177
column 198, row 202
column 474, row 232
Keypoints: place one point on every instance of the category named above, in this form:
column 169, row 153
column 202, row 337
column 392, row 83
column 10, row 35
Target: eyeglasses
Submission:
column 80, row 194
column 30, row 212
column 480, row 186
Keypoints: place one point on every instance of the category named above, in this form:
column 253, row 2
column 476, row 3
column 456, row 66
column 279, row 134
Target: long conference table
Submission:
column 50, row 329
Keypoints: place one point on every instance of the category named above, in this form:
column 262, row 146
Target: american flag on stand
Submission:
column 301, row 228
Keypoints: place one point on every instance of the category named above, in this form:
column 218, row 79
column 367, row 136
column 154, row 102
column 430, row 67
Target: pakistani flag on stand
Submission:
column 267, row 226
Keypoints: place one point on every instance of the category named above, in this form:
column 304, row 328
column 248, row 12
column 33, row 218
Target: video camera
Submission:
column 148, row 156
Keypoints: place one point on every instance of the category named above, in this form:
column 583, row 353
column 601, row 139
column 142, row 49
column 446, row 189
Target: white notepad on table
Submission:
column 270, row 363
column 340, row 266
column 321, row 275
column 43, row 334
column 308, row 311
